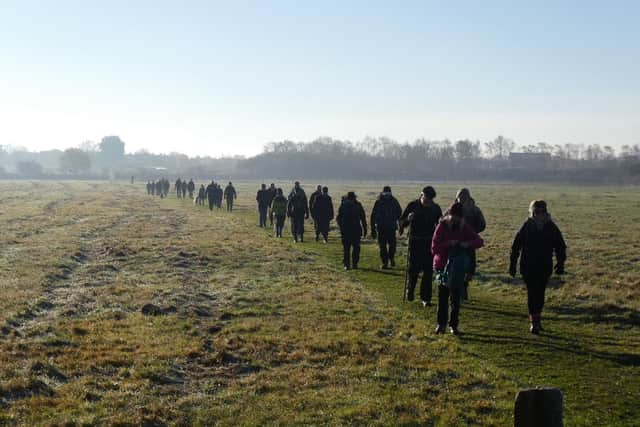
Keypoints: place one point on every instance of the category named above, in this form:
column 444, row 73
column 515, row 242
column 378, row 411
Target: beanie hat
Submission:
column 429, row 192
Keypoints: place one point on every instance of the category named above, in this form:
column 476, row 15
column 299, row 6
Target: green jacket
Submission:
column 279, row 206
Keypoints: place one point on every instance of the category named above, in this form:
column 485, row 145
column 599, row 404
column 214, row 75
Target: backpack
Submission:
column 457, row 268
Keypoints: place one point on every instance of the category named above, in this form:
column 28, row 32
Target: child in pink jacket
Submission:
column 451, row 232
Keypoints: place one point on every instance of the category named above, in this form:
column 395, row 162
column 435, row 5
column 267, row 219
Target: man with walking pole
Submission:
column 421, row 216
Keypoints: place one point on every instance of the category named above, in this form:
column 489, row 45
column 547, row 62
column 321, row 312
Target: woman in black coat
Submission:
column 535, row 243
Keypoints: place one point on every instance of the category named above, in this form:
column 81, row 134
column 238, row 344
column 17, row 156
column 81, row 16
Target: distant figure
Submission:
column 211, row 194
column 279, row 210
column 183, row 187
column 353, row 226
column 219, row 195
column 273, row 193
column 132, row 179
column 159, row 188
column 421, row 216
column 298, row 211
column 312, row 200
column 263, row 197
column 148, row 187
column 230, row 195
column 474, row 217
column 191, row 187
column 384, row 223
column 202, row 194
column 178, row 187
column 323, row 214
column 451, row 244
column 537, row 240
column 165, row 186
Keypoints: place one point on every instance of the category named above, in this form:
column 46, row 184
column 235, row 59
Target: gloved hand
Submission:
column 512, row 270
column 559, row 269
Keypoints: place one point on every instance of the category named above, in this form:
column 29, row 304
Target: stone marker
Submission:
column 539, row 407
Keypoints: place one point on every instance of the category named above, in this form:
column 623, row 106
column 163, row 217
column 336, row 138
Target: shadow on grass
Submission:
column 396, row 273
column 608, row 313
column 626, row 359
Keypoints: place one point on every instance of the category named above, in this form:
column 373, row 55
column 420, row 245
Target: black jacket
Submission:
column 537, row 247
column 352, row 219
column 264, row 198
column 424, row 221
column 385, row 213
column 322, row 208
column 312, row 200
column 297, row 205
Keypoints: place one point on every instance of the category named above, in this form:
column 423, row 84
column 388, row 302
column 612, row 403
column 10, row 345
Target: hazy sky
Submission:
column 203, row 77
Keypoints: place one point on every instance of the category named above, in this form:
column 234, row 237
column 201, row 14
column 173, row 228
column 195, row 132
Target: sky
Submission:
column 225, row 78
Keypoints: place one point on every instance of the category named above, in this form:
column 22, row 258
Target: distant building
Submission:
column 529, row 160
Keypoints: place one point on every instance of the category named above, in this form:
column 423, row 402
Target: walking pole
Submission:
column 406, row 278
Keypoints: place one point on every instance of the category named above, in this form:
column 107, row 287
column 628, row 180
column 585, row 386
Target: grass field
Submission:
column 247, row 329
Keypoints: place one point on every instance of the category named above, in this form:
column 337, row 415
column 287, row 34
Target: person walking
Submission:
column 230, row 195
column 472, row 216
column 178, row 187
column 298, row 211
column 191, row 187
column 385, row 215
column 323, row 214
column 353, row 226
column 263, row 197
column 272, row 194
column 312, row 200
column 202, row 194
column 183, row 187
column 535, row 243
column 452, row 241
column 211, row 194
column 279, row 210
column 421, row 216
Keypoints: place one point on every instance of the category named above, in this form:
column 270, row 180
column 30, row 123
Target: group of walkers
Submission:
column 158, row 188
column 440, row 242
column 443, row 243
column 272, row 204
column 182, row 187
column 212, row 193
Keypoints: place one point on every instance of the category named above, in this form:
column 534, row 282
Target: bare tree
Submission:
column 499, row 147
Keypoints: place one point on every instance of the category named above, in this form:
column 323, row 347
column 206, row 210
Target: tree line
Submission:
column 327, row 158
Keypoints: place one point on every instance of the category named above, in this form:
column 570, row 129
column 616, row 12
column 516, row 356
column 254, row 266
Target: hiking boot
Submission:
column 534, row 328
column 393, row 262
column 325, row 241
column 384, row 266
column 346, row 267
column 426, row 303
column 439, row 329
column 454, row 331
column 355, row 266
column 410, row 296
column 317, row 238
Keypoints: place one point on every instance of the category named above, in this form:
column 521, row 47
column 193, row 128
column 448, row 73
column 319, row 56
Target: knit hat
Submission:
column 463, row 192
column 386, row 189
column 429, row 192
